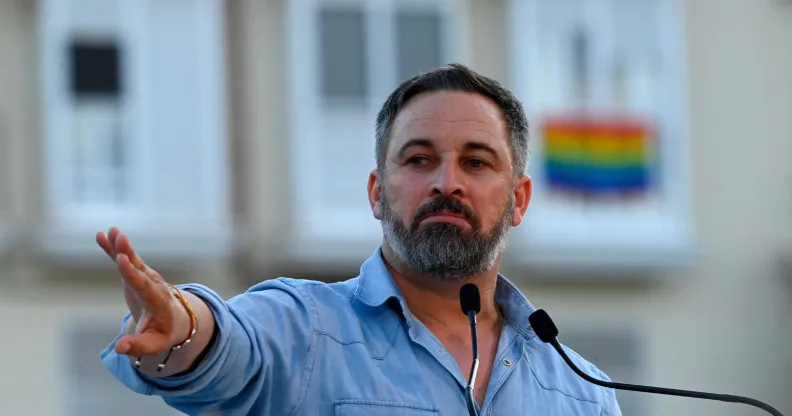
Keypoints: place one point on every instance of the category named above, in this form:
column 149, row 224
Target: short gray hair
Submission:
column 456, row 77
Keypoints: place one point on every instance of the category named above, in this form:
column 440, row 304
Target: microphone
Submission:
column 546, row 331
column 470, row 301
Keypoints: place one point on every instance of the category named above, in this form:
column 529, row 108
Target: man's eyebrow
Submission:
column 414, row 143
column 484, row 147
column 429, row 145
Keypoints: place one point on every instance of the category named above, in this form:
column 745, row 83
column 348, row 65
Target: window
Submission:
column 343, row 55
column 91, row 389
column 99, row 174
column 418, row 40
column 346, row 57
column 134, row 123
column 603, row 85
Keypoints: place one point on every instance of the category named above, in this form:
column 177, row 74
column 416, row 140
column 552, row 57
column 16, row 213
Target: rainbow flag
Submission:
column 598, row 155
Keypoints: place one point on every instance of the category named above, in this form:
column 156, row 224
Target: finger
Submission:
column 122, row 245
column 147, row 343
column 112, row 235
column 139, row 282
column 104, row 243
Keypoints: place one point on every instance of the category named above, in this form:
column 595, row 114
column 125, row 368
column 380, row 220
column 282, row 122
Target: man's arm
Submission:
column 189, row 355
column 611, row 406
column 250, row 354
column 610, row 403
column 250, row 366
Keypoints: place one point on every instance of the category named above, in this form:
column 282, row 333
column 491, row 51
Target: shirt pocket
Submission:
column 382, row 408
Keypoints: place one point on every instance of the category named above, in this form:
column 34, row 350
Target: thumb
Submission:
column 146, row 343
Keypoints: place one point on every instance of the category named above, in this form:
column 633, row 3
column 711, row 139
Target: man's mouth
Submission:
column 446, row 217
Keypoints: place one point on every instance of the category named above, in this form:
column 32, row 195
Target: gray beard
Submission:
column 445, row 251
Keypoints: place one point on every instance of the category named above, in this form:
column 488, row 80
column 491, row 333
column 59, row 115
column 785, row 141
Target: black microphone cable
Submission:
column 546, row 330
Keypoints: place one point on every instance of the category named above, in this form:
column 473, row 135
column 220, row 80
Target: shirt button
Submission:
column 443, row 353
column 507, row 362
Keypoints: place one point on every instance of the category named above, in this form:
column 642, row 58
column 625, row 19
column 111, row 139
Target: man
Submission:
column 451, row 148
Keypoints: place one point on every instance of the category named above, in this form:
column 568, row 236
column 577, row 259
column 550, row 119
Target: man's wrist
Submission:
column 182, row 322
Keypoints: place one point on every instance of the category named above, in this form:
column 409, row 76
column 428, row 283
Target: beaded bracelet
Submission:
column 193, row 328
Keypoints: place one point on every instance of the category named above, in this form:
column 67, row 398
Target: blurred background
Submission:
column 232, row 141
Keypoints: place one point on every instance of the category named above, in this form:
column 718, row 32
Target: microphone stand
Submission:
column 471, row 401
column 470, row 300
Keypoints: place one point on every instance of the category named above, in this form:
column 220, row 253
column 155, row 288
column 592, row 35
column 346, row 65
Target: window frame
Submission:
column 320, row 229
column 68, row 227
column 553, row 242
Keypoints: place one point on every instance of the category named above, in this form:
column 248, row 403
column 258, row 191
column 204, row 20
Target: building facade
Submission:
column 232, row 141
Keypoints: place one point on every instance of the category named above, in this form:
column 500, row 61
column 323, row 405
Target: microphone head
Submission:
column 469, row 298
column 543, row 326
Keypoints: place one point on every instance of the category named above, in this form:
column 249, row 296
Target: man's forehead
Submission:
column 450, row 118
column 450, row 107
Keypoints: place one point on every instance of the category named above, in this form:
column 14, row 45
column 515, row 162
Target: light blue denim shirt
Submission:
column 299, row 347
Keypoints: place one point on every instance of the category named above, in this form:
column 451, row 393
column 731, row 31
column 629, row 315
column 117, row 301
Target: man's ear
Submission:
column 522, row 197
column 374, row 193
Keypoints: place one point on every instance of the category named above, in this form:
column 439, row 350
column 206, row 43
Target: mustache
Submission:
column 444, row 203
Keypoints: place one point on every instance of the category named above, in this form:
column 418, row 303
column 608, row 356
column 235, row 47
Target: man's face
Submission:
column 448, row 193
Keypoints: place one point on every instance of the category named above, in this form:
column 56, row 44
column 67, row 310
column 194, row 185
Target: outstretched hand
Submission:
column 155, row 310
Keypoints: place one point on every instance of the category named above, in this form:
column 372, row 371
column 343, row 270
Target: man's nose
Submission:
column 448, row 181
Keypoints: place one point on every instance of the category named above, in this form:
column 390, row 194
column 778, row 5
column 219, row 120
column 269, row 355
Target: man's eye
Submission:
column 417, row 161
column 476, row 163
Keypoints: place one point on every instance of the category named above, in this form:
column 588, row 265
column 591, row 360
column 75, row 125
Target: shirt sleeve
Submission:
column 610, row 405
column 606, row 397
column 261, row 358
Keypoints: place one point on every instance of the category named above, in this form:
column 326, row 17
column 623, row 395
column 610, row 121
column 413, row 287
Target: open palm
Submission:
column 147, row 295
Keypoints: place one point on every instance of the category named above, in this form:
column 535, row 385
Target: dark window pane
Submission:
column 99, row 154
column 419, row 39
column 342, row 51
column 95, row 69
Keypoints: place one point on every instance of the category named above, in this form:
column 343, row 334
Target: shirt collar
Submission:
column 514, row 306
column 376, row 286
column 375, row 283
